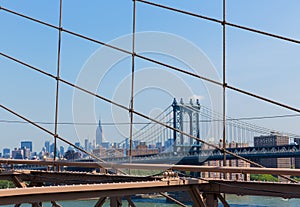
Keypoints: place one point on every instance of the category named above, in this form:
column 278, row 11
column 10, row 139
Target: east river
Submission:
column 234, row 201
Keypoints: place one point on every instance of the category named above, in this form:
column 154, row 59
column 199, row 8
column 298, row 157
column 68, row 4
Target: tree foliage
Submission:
column 264, row 177
column 6, row 184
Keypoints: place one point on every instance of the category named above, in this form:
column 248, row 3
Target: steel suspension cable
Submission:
column 57, row 80
column 132, row 80
column 163, row 64
column 221, row 22
column 224, row 80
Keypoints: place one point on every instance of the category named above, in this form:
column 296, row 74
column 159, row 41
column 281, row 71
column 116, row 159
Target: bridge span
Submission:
column 198, row 157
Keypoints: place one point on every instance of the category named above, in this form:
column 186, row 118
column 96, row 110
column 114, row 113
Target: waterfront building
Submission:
column 99, row 151
column 274, row 139
column 71, row 154
column 297, row 159
column 143, row 149
column 230, row 163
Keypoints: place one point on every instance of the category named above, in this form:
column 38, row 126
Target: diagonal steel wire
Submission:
column 221, row 22
column 164, row 64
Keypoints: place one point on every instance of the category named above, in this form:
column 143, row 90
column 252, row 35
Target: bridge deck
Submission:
column 74, row 192
column 67, row 178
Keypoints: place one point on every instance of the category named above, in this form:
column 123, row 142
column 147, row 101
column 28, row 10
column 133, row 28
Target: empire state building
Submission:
column 99, row 134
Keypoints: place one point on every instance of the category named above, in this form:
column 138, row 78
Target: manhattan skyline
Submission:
column 259, row 64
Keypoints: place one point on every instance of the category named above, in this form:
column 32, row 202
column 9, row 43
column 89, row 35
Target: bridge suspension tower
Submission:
column 185, row 118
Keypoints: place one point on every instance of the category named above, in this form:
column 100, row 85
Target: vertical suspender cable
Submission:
column 132, row 79
column 57, row 80
column 224, row 82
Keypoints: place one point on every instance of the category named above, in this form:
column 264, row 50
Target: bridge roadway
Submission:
column 143, row 166
column 193, row 157
column 196, row 157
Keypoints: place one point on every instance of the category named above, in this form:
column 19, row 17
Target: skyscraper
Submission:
column 27, row 145
column 62, row 150
column 47, row 146
column 99, row 134
column 86, row 143
column 51, row 148
column 6, row 153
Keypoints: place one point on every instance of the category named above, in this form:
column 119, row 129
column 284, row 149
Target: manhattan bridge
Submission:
column 201, row 122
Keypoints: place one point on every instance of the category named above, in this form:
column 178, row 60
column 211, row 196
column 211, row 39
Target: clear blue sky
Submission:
column 256, row 63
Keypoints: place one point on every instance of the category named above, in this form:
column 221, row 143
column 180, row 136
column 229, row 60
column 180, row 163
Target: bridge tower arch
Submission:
column 185, row 118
